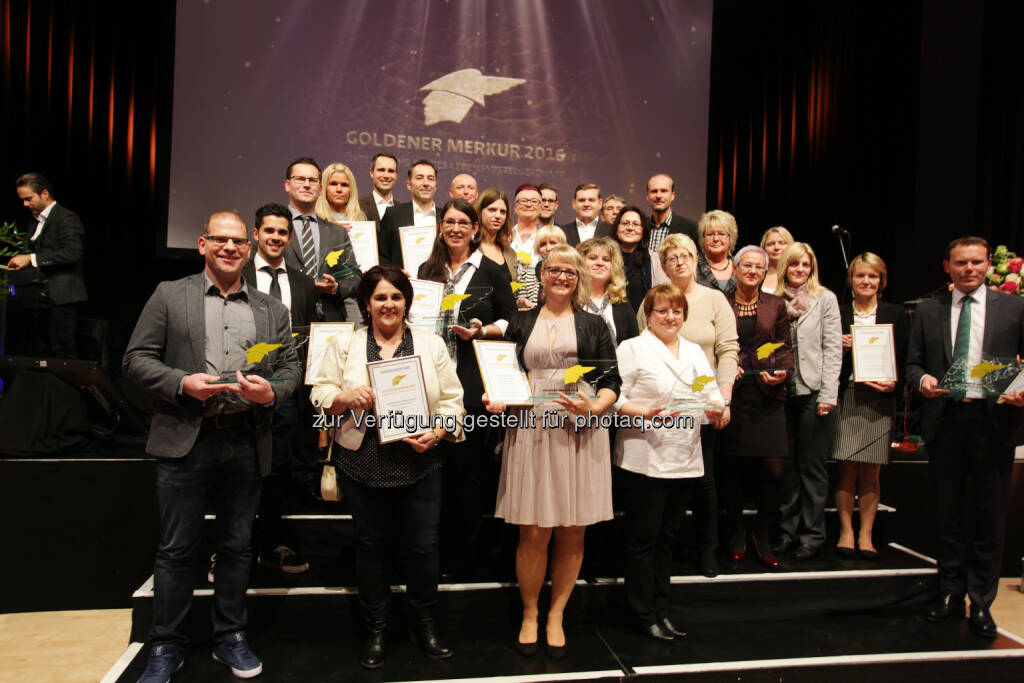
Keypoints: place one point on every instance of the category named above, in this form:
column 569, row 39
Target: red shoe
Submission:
column 767, row 560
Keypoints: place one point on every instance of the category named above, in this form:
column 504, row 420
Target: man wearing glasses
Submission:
column 586, row 204
column 314, row 239
column 548, row 204
column 661, row 192
column 211, row 430
column 422, row 185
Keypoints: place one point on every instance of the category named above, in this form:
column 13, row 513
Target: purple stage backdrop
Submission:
column 511, row 91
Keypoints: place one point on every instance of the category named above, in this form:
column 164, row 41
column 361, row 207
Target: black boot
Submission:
column 427, row 635
column 373, row 651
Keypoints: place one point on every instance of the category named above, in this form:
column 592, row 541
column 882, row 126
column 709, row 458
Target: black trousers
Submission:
column 705, row 495
column 654, row 512
column 967, row 464
column 409, row 515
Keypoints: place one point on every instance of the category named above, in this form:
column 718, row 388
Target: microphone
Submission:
column 836, row 230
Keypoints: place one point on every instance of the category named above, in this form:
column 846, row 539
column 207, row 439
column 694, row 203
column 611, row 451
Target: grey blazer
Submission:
column 817, row 336
column 332, row 238
column 168, row 344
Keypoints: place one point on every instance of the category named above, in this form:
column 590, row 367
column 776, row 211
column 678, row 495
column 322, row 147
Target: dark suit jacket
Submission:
column 332, row 238
column 887, row 314
column 369, row 207
column 490, row 299
column 59, row 252
column 388, row 244
column 679, row 225
column 572, row 233
column 625, row 322
column 593, row 344
column 771, row 327
column 303, row 292
column 930, row 352
column 168, row 344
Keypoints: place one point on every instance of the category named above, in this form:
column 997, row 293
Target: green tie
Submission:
column 962, row 343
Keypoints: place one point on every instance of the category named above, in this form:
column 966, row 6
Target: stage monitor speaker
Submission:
column 82, row 377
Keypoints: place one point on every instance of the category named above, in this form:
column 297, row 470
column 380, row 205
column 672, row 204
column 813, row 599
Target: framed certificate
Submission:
column 874, row 353
column 425, row 307
column 503, row 379
column 363, row 236
column 417, row 241
column 400, row 398
column 320, row 337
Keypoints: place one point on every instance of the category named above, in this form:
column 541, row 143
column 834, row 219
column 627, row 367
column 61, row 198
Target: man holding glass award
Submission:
column 963, row 357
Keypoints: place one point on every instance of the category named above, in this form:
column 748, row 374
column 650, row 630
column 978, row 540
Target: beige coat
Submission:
column 344, row 369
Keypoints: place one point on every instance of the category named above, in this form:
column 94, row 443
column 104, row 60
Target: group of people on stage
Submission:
column 607, row 317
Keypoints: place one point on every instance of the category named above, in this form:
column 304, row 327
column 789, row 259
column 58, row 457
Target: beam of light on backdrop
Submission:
column 511, row 91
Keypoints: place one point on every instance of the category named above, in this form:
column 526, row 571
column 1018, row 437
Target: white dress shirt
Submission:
column 382, row 204
column 41, row 221
column 586, row 230
column 462, row 284
column 263, row 280
column 650, row 373
column 421, row 217
column 977, row 328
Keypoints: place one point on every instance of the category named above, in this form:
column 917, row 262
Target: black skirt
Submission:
column 757, row 428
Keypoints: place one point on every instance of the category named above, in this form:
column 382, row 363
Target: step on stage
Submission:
column 828, row 619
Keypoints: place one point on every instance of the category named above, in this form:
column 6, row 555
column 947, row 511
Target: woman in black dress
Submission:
column 630, row 233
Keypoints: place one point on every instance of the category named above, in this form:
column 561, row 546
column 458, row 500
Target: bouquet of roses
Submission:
column 1005, row 271
column 13, row 242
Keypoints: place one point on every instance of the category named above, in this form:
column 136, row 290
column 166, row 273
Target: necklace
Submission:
column 859, row 312
column 725, row 267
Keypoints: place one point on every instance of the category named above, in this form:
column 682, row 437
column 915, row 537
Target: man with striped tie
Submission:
column 315, row 240
column 971, row 434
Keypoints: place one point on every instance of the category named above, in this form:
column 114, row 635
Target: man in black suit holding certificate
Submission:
column 422, row 185
column 971, row 436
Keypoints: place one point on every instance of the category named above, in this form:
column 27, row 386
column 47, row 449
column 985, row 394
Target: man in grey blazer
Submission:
column 314, row 239
column 58, row 247
column 208, row 436
column 971, row 435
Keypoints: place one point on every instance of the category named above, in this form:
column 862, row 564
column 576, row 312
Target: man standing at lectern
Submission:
column 58, row 245
column 971, row 436
column 209, row 437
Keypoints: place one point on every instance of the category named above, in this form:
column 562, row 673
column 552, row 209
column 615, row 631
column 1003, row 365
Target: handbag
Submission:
column 329, row 489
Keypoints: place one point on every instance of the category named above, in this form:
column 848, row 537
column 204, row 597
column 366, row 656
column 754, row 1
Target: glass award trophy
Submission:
column 993, row 376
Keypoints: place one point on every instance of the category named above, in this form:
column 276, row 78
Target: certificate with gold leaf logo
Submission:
column 399, row 398
column 874, row 353
column 504, row 380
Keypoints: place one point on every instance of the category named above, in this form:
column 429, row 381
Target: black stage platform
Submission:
column 86, row 530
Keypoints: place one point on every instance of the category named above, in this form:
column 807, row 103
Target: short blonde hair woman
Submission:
column 774, row 241
column 717, row 234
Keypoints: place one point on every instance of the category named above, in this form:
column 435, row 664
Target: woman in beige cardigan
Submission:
column 393, row 489
column 711, row 325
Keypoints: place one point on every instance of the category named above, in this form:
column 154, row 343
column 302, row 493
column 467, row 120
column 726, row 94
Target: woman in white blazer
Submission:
column 393, row 489
column 816, row 334
column 661, row 460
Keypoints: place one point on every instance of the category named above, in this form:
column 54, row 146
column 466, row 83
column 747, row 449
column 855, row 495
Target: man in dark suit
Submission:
column 58, row 245
column 661, row 192
column 272, row 231
column 209, row 436
column 383, row 173
column 548, row 204
column 971, row 435
column 586, row 204
column 422, row 184
column 314, row 239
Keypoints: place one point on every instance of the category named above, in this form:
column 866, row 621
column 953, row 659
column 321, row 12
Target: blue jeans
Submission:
column 221, row 468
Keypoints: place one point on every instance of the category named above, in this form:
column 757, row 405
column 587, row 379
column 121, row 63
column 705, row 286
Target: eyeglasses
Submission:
column 751, row 266
column 665, row 312
column 559, row 272
column 528, row 202
column 631, row 224
column 549, row 201
column 719, row 235
column 452, row 223
column 303, row 180
column 673, row 260
column 221, row 241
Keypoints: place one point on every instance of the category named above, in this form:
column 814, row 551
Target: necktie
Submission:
column 448, row 317
column 962, row 343
column 275, row 286
column 308, row 248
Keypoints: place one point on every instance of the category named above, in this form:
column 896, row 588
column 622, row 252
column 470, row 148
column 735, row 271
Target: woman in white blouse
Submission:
column 662, row 460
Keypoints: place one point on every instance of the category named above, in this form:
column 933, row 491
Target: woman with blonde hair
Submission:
column 555, row 478
column 496, row 230
column 608, row 287
column 717, row 234
column 339, row 201
column 863, row 432
column 774, row 241
column 812, row 393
